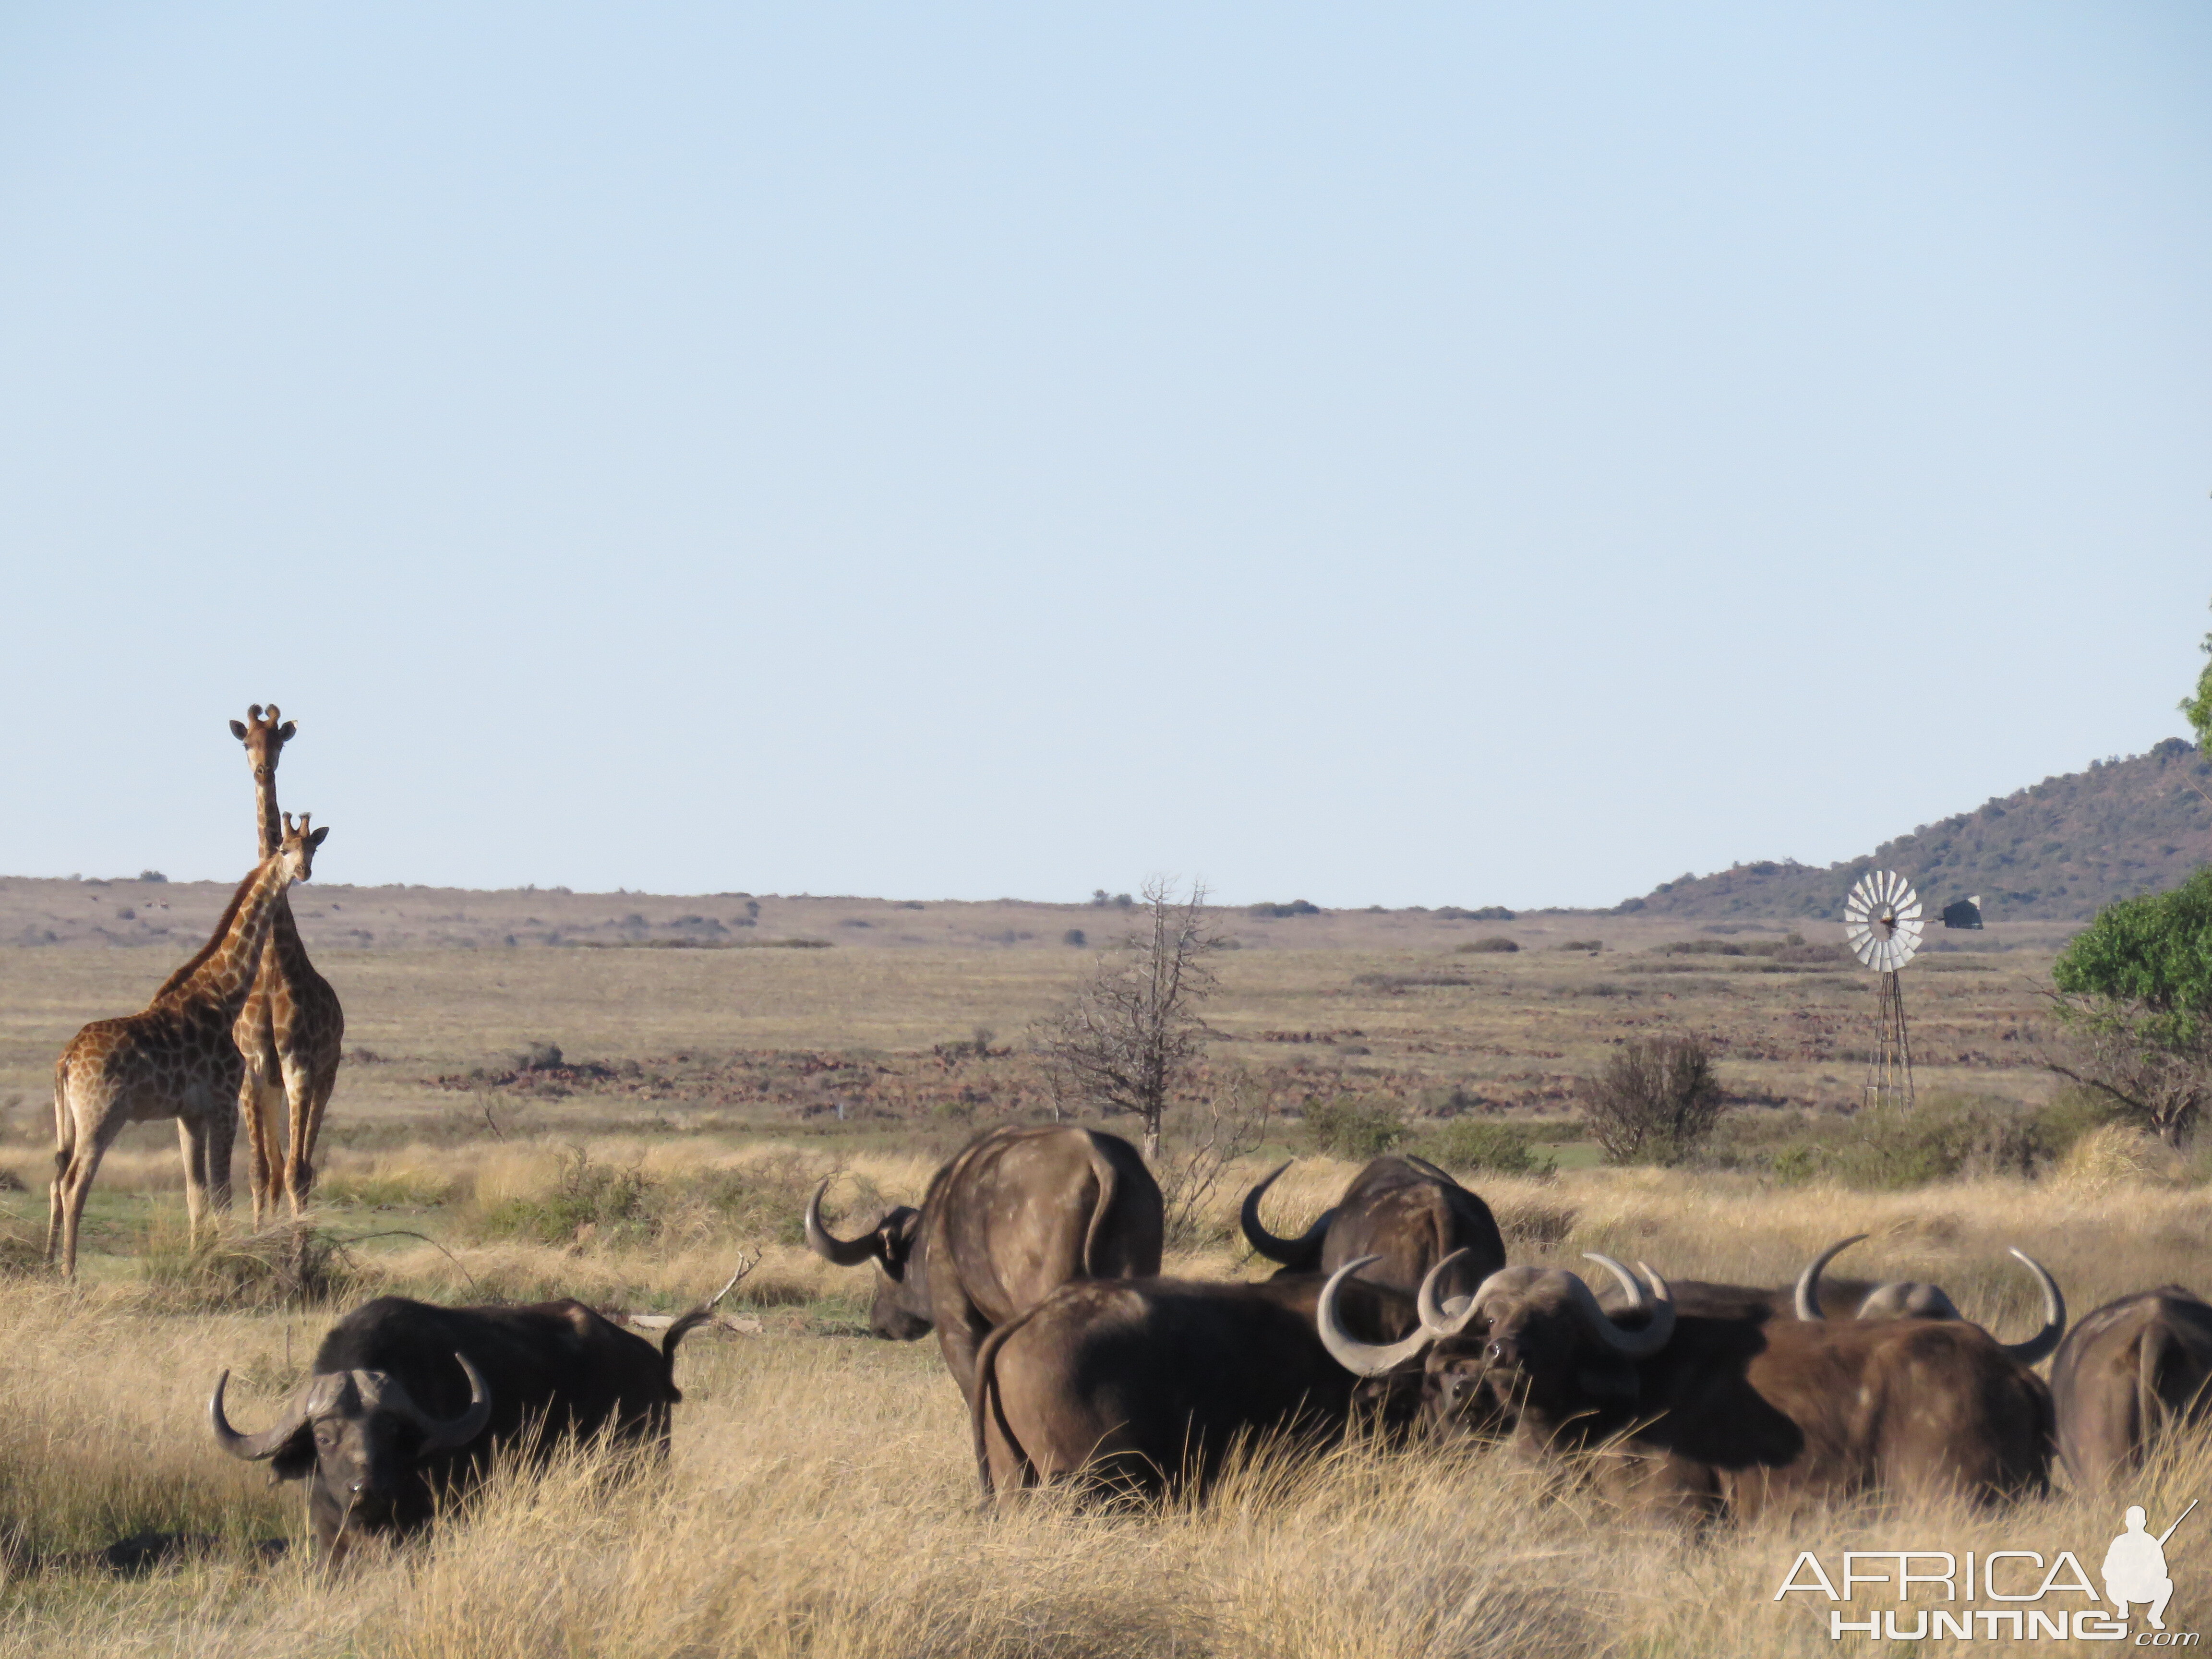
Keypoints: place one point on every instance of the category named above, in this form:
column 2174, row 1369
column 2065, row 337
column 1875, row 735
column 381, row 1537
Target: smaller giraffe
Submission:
column 291, row 1032
column 176, row 1059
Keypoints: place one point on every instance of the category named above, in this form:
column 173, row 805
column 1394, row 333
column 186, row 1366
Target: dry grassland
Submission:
column 820, row 1499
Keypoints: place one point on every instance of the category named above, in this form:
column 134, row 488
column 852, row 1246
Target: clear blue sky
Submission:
column 1402, row 454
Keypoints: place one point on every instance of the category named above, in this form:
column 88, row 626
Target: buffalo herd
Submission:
column 1035, row 1258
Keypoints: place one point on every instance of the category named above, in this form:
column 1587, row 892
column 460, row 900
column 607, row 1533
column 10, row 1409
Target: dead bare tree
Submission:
column 1132, row 1032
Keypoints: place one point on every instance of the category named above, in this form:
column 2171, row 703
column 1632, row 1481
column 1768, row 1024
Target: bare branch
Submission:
column 1132, row 1032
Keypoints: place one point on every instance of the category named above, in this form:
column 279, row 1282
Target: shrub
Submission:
column 1580, row 945
column 539, row 1057
column 604, row 1197
column 1076, row 937
column 766, row 1200
column 1487, row 913
column 287, row 1266
column 1655, row 1101
column 1493, row 1148
column 1496, row 942
column 1348, row 1127
column 1944, row 1137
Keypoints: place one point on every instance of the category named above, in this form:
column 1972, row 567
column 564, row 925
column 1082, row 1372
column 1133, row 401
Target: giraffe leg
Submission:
column 64, row 1153
column 309, row 1092
column 261, row 1165
column 221, row 1141
column 193, row 1142
column 75, row 1187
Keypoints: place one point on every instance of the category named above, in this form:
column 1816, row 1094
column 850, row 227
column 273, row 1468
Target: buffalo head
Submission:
column 363, row 1435
column 1527, row 1338
column 901, row 1310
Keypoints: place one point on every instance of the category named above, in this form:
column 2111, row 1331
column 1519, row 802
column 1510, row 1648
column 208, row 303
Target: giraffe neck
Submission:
column 226, row 973
column 271, row 824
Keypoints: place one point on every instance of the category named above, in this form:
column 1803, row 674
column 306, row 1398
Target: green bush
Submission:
column 1351, row 1128
column 1491, row 1148
column 1942, row 1138
column 767, row 1200
column 622, row 1202
column 1496, row 944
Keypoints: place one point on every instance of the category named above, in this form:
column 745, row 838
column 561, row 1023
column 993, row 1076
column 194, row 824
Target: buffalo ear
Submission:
column 296, row 1459
column 238, row 730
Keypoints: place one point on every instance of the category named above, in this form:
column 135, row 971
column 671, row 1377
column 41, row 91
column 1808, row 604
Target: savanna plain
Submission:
column 623, row 1124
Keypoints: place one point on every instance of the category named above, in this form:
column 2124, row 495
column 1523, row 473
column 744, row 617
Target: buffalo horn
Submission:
column 1362, row 1358
column 1636, row 1345
column 252, row 1448
column 1808, row 1282
column 455, row 1432
column 1440, row 1318
column 1290, row 1252
column 842, row 1252
column 2054, row 1317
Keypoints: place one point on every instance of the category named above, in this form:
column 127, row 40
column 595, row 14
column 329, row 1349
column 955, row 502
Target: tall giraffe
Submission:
column 176, row 1059
column 291, row 1031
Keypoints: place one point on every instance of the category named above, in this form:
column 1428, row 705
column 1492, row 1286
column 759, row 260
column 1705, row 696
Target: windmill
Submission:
column 1882, row 925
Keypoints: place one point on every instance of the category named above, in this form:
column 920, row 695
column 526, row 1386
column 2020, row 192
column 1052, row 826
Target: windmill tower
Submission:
column 1882, row 926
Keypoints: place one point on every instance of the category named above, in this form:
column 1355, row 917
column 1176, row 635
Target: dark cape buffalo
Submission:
column 1013, row 1216
column 2129, row 1372
column 1148, row 1386
column 1815, row 1296
column 1713, row 1415
column 408, row 1402
column 1401, row 1214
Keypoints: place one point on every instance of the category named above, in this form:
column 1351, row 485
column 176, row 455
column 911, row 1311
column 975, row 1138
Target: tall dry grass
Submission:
column 820, row 1500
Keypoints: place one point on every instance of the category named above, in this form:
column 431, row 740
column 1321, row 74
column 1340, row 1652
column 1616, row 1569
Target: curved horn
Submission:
column 1808, row 1282
column 842, row 1252
column 2054, row 1317
column 456, row 1432
column 1361, row 1359
column 1639, row 1300
column 254, row 1448
column 1438, row 1319
column 1634, row 1345
column 1290, row 1252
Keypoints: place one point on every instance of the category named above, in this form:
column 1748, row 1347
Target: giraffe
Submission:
column 291, row 1031
column 176, row 1059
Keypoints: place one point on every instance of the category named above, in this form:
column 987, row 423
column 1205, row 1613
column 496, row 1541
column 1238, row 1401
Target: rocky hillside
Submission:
column 2056, row 851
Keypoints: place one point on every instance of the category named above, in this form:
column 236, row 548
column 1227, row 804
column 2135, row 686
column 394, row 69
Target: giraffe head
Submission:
column 298, row 850
column 264, row 739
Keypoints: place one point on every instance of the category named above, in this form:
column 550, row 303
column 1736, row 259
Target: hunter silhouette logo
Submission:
column 2135, row 1567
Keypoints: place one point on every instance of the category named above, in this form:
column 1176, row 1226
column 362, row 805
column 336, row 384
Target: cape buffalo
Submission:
column 1902, row 1299
column 2125, row 1373
column 1145, row 1386
column 1715, row 1415
column 1815, row 1296
column 408, row 1402
column 1015, row 1213
column 1403, row 1215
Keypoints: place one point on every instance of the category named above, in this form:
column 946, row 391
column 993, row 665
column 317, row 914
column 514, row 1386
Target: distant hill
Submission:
column 2056, row 851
